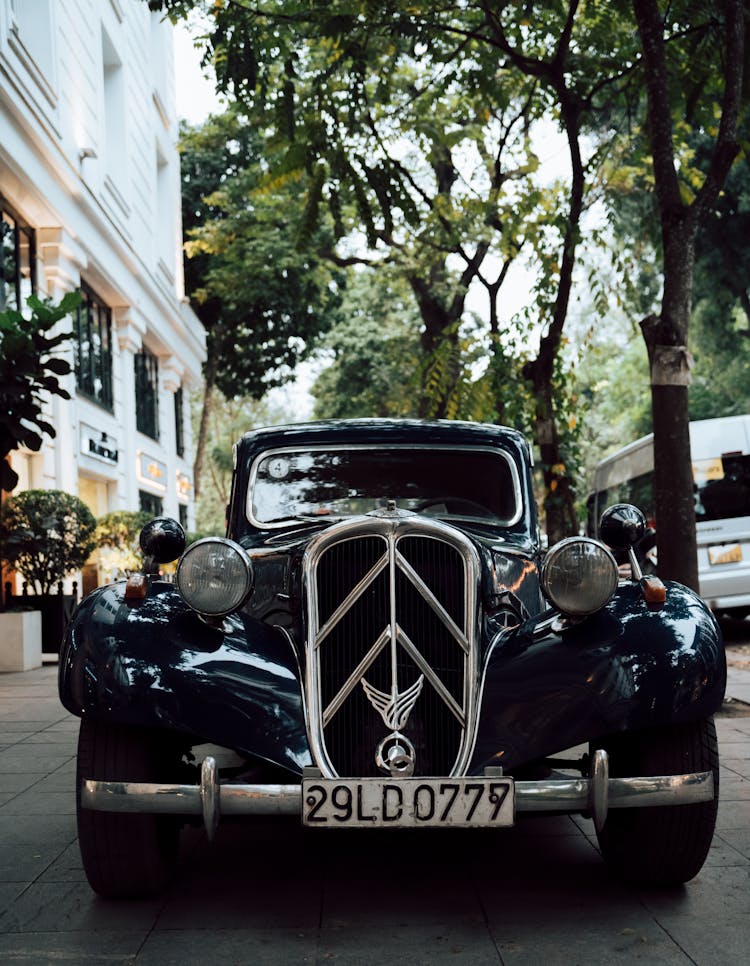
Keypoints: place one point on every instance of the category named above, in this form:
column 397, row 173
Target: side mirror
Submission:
column 622, row 526
column 162, row 540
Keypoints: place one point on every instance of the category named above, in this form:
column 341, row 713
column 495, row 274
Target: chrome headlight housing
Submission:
column 579, row 575
column 214, row 576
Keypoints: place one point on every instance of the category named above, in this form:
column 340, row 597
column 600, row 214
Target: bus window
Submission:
column 723, row 494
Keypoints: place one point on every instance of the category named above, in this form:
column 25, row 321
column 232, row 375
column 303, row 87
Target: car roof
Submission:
column 380, row 431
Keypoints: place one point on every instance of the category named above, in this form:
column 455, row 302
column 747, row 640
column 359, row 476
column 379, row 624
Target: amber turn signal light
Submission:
column 654, row 591
column 136, row 587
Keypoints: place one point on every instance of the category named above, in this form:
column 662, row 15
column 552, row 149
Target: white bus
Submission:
column 720, row 451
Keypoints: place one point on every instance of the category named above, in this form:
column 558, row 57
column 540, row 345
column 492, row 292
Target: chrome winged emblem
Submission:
column 394, row 708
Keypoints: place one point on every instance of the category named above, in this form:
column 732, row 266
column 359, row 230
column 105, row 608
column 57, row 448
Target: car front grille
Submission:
column 391, row 645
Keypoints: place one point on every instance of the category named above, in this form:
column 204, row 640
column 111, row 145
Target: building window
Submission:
column 147, row 393
column 93, row 361
column 17, row 260
column 179, row 424
column 114, row 111
column 165, row 195
column 183, row 511
column 150, row 504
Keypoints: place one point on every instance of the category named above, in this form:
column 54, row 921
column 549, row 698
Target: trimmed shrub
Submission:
column 46, row 535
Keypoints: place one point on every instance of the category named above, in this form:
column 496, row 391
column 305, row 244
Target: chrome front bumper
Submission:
column 594, row 795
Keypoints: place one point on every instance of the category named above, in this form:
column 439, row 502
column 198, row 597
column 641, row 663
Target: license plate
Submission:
column 408, row 803
column 725, row 553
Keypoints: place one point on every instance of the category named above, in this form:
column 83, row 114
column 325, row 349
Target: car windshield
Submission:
column 289, row 484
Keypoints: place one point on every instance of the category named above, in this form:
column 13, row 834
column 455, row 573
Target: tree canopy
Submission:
column 261, row 297
column 415, row 127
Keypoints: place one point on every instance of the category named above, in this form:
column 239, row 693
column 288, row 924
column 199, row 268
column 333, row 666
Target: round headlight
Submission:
column 214, row 576
column 579, row 575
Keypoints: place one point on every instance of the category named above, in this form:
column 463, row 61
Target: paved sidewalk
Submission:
column 273, row 893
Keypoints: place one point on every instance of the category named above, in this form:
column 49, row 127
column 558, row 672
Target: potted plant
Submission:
column 45, row 535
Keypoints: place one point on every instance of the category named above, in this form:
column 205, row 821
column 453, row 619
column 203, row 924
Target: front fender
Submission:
column 548, row 687
column 156, row 663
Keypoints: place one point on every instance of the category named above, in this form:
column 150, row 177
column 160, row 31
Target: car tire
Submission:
column 125, row 855
column 663, row 845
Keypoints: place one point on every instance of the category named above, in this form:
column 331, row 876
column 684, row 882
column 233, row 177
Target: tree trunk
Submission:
column 200, row 445
column 439, row 350
column 666, row 340
column 666, row 337
column 559, row 506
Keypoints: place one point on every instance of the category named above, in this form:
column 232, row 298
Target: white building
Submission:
column 90, row 199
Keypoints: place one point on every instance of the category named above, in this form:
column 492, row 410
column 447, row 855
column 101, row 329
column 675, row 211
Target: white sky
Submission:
column 196, row 98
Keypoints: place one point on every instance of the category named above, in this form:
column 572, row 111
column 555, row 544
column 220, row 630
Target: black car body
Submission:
column 380, row 641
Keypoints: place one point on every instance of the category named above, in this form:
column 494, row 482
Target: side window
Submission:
column 179, row 423
column 147, row 393
column 17, row 260
column 93, row 362
column 150, row 504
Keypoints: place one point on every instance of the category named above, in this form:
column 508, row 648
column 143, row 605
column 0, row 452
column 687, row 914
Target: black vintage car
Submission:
column 380, row 642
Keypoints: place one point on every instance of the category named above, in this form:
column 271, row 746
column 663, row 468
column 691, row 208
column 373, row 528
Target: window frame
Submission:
column 19, row 227
column 179, row 423
column 146, row 374
column 99, row 361
column 150, row 503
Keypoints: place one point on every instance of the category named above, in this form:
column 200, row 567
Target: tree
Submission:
column 117, row 540
column 350, row 88
column 720, row 323
column 262, row 299
column 374, row 351
column 413, row 123
column 46, row 535
column 680, row 213
column 229, row 419
column 30, row 368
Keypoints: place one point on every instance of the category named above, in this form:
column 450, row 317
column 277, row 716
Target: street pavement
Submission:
column 273, row 893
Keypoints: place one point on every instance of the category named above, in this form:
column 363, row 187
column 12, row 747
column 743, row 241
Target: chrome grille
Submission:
column 391, row 601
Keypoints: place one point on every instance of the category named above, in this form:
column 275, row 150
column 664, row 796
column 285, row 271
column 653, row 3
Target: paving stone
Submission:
column 77, row 949
column 619, row 939
column 722, row 853
column 67, row 867
column 14, row 760
column 9, row 892
column 16, row 782
column 53, row 738
column 24, row 863
column 733, row 815
column 62, row 780
column 722, row 942
column 36, row 829
column 49, row 907
column 717, row 892
column 291, row 901
column 417, row 945
column 190, row 947
column 738, row 839
column 37, row 801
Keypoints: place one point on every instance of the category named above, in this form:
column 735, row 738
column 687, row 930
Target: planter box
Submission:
column 20, row 640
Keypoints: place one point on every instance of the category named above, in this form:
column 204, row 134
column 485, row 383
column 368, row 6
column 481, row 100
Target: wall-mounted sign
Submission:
column 99, row 445
column 184, row 485
column 152, row 471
